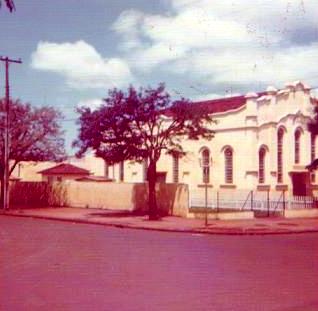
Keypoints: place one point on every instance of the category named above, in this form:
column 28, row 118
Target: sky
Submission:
column 74, row 51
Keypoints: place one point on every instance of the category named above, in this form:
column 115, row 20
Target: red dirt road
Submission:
column 64, row 266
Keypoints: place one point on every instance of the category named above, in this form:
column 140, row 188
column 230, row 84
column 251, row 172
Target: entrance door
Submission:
column 301, row 183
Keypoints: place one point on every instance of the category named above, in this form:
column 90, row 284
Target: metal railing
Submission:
column 265, row 202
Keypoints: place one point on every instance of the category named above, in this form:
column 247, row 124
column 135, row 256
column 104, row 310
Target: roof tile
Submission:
column 65, row 169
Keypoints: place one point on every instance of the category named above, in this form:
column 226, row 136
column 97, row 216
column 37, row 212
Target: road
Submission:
column 51, row 265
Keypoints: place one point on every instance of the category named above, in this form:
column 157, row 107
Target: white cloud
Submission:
column 128, row 26
column 208, row 96
column 93, row 103
column 81, row 65
column 223, row 42
column 255, row 65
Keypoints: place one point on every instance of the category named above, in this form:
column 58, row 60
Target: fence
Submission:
column 264, row 202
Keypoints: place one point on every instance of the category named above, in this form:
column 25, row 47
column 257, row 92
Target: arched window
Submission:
column 121, row 171
column 261, row 165
column 175, row 168
column 280, row 137
column 297, row 146
column 205, row 163
column 228, row 160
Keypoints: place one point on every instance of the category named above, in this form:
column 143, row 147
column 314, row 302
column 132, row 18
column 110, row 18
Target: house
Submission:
column 261, row 143
column 62, row 172
column 29, row 170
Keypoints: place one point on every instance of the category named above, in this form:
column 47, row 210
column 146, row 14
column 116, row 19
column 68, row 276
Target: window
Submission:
column 228, row 157
column 280, row 136
column 145, row 169
column 297, row 146
column 261, row 165
column 175, row 168
column 313, row 155
column 121, row 171
column 205, row 163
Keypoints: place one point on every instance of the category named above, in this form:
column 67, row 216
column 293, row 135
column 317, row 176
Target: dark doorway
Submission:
column 301, row 183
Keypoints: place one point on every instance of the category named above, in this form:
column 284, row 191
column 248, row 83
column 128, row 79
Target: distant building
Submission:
column 62, row 172
column 29, row 171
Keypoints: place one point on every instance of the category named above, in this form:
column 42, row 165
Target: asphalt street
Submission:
column 56, row 265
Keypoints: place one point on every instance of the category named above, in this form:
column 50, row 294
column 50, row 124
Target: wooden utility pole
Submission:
column 5, row 187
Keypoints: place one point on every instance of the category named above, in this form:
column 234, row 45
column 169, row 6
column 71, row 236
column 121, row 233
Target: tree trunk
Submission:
column 152, row 201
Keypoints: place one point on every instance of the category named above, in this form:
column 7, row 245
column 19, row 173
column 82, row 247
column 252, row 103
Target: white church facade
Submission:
column 261, row 143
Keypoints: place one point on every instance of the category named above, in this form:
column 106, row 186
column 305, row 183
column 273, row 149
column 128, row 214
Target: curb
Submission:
column 191, row 231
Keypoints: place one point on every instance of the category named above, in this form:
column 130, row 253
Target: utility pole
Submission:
column 5, row 187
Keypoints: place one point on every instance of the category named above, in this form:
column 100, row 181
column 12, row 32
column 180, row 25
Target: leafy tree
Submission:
column 313, row 129
column 9, row 4
column 35, row 135
column 138, row 125
column 313, row 124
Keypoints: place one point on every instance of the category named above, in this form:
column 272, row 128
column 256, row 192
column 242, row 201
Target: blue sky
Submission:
column 73, row 51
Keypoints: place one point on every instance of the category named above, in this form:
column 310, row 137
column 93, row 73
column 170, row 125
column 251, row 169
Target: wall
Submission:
column 28, row 171
column 96, row 166
column 172, row 199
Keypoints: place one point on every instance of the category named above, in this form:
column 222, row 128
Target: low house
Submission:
column 62, row 172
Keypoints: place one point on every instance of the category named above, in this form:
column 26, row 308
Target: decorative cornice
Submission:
column 262, row 125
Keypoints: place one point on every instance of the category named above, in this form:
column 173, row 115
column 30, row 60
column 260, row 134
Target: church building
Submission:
column 261, row 143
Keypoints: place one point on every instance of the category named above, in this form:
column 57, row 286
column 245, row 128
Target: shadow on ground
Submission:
column 114, row 213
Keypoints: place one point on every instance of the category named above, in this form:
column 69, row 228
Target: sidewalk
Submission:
column 170, row 223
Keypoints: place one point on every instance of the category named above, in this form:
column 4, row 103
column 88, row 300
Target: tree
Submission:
column 35, row 135
column 313, row 129
column 313, row 123
column 138, row 125
column 9, row 4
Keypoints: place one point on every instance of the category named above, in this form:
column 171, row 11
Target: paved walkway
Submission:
column 170, row 223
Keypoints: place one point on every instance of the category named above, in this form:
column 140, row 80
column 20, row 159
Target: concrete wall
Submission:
column 172, row 199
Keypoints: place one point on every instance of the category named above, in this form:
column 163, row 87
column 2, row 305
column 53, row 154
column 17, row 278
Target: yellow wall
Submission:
column 171, row 198
column 28, row 171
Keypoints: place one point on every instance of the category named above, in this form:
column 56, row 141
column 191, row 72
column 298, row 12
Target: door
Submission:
column 301, row 184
